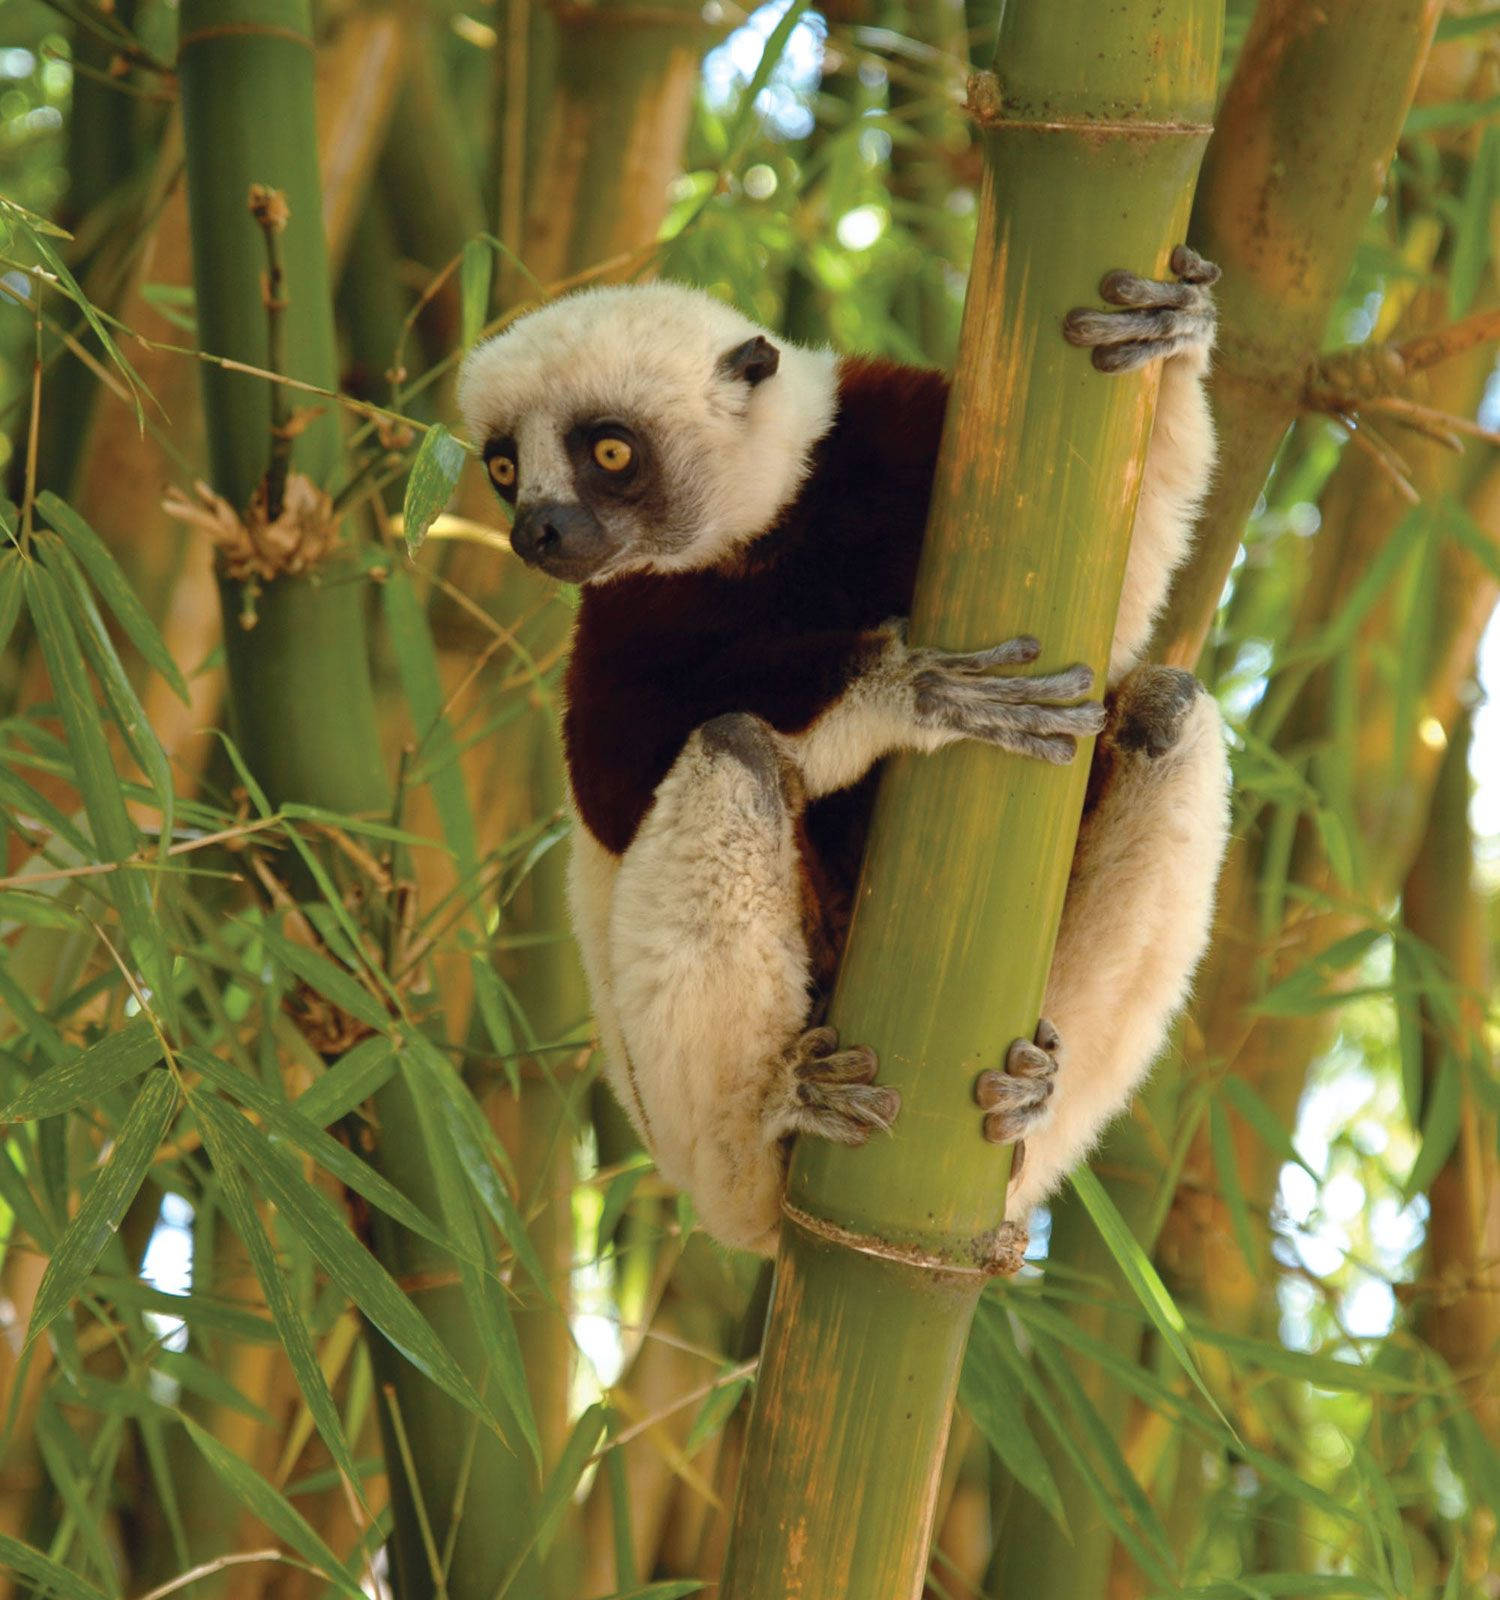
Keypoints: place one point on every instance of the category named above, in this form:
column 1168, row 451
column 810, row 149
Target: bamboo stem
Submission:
column 882, row 1265
column 1304, row 136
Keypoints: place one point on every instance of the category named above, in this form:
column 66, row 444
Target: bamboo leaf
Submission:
column 352, row 1079
column 287, row 1122
column 434, row 477
column 715, row 1411
column 295, row 1337
column 416, row 662
column 104, row 1205
column 1227, row 1169
column 996, row 1409
column 201, row 1379
column 325, row 1232
column 1248, row 1102
column 115, row 1059
column 124, row 704
column 93, row 555
column 475, row 271
column 115, row 837
column 1444, row 1107
column 278, row 1514
column 333, row 983
column 38, row 910
column 1138, row 1272
column 616, row 1197
column 43, row 1572
column 10, row 595
column 559, row 1488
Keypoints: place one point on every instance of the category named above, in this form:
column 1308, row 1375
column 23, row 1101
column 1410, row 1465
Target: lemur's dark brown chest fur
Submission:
column 656, row 655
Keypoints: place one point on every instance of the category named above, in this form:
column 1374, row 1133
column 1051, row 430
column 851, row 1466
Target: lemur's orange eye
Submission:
column 502, row 472
column 614, row 455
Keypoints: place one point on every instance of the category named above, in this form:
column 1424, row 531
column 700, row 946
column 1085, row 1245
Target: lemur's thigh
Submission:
column 1138, row 911
column 709, row 970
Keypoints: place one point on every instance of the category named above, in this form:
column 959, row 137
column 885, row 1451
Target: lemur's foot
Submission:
column 832, row 1093
column 1150, row 709
column 1159, row 317
column 1018, row 1101
column 956, row 689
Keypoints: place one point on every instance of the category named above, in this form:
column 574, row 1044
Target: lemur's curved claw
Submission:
column 1157, row 317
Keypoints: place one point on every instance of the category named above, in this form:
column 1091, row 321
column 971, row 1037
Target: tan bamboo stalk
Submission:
column 1459, row 1309
column 1299, row 153
column 881, row 1256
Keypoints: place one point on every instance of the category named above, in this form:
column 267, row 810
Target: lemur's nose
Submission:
column 561, row 537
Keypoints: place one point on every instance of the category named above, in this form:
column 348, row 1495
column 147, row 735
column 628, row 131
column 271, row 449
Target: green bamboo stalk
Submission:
column 1300, row 150
column 1092, row 140
column 304, row 712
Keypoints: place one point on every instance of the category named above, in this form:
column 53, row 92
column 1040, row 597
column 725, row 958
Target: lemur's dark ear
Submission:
column 754, row 361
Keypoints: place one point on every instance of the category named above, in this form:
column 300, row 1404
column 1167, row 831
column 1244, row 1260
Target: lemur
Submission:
column 744, row 518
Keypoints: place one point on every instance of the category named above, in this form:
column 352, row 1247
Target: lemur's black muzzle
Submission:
column 561, row 537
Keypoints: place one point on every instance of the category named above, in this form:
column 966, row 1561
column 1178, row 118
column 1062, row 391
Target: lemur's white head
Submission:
column 645, row 428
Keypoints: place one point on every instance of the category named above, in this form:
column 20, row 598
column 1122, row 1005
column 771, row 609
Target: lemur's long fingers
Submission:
column 1156, row 318
column 1008, row 653
column 1017, row 1101
column 941, row 680
column 981, row 720
column 1193, row 268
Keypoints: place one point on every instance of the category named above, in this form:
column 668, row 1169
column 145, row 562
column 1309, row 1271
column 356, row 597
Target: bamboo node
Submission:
column 998, row 1254
column 257, row 547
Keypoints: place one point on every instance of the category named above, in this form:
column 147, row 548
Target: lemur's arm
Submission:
column 891, row 696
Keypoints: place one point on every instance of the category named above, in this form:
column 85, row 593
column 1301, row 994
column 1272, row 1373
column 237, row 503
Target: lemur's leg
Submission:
column 709, row 974
column 1174, row 321
column 1135, row 922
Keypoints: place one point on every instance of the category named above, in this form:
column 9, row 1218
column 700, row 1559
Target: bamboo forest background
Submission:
column 317, row 1223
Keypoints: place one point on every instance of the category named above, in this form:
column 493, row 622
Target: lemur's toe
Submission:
column 1153, row 317
column 833, row 1094
column 1019, row 1100
column 1190, row 267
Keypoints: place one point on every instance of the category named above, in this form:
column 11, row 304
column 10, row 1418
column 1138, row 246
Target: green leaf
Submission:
column 278, row 1514
column 323, row 1229
column 1439, row 1125
column 417, row 664
column 483, row 1297
column 38, row 909
column 1462, row 27
column 201, row 1379
column 1247, row 1101
column 91, row 553
column 287, row 1122
column 616, row 1197
column 44, row 1573
column 295, row 1337
column 479, row 1154
column 332, row 982
column 115, row 1059
column 352, row 1079
column 475, row 271
column 987, row 1391
column 434, row 476
column 716, row 1410
column 124, row 704
column 1227, row 1169
column 559, row 1488
column 10, row 595
column 104, row 1205
column 1138, row 1272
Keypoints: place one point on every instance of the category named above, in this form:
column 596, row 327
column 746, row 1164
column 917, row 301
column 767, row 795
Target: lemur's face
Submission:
column 644, row 429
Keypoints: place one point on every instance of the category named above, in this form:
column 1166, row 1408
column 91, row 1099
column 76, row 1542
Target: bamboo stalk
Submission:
column 1299, row 153
column 300, row 687
column 881, row 1259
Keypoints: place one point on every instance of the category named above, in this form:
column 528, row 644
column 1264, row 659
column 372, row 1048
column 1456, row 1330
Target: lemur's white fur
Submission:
column 692, row 942
column 602, row 352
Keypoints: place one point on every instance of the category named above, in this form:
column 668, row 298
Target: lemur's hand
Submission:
column 1157, row 318
column 957, row 691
